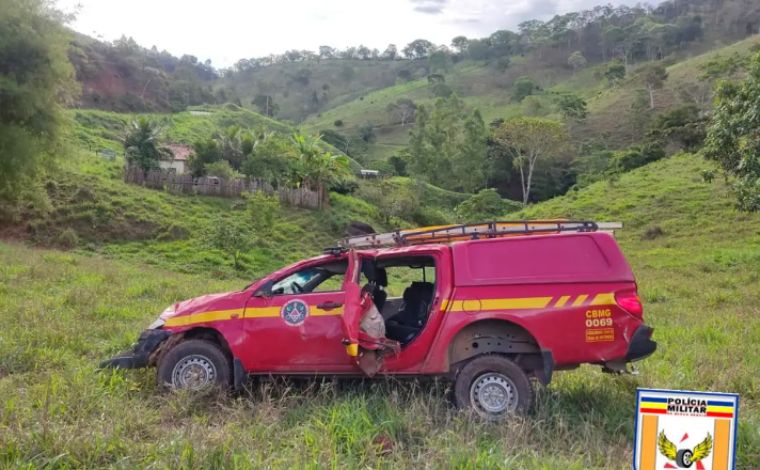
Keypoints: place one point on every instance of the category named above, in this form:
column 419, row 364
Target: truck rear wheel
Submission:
column 194, row 365
column 494, row 387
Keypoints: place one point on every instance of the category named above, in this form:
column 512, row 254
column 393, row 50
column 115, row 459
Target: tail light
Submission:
column 630, row 302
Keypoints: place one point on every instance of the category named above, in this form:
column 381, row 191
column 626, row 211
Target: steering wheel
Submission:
column 297, row 287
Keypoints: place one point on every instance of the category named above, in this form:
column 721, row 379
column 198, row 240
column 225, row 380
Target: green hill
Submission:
column 612, row 118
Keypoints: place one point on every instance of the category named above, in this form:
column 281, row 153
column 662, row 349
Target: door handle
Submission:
column 329, row 305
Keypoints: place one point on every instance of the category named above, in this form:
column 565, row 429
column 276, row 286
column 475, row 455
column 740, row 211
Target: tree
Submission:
column 459, row 43
column 438, row 61
column 364, row 52
column 390, row 52
column 478, row 49
column 142, row 143
column 572, row 106
column 403, row 110
column 367, row 132
column 205, row 152
column 36, row 79
column 263, row 210
column 529, row 140
column 316, row 168
column 266, row 105
column 615, row 72
column 577, row 61
column 654, row 76
column 523, row 86
column 733, row 139
column 326, row 52
column 447, row 146
column 221, row 169
column 485, row 206
column 230, row 236
column 418, row 49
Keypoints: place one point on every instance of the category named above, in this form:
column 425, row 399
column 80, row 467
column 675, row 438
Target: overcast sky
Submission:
column 227, row 30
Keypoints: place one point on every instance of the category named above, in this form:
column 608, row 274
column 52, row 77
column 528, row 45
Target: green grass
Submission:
column 63, row 312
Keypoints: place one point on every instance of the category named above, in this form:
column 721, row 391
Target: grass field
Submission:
column 64, row 311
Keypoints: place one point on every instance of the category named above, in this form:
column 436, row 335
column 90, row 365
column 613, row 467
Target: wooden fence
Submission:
column 214, row 186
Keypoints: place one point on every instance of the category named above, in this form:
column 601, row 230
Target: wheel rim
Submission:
column 493, row 394
column 194, row 372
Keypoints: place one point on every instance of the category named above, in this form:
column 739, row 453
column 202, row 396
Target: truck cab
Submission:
column 486, row 305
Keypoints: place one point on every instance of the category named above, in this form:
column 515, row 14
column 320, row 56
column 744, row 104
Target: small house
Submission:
column 178, row 164
column 369, row 173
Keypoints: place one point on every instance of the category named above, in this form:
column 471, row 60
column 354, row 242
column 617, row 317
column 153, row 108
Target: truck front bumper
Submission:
column 641, row 345
column 139, row 355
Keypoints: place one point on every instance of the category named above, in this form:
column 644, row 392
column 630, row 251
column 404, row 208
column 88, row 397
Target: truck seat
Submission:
column 413, row 314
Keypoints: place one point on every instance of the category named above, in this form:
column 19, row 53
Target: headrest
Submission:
column 381, row 277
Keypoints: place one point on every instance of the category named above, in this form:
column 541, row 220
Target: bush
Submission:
column 523, row 86
column 262, row 209
column 221, row 169
column 67, row 239
column 748, row 194
column 485, row 206
column 338, row 123
column 344, row 186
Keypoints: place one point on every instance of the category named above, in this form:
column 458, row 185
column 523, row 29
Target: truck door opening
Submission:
column 403, row 290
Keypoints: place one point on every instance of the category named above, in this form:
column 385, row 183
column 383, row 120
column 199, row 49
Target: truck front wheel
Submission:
column 194, row 365
column 494, row 387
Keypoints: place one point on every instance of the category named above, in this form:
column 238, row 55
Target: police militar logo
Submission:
column 294, row 312
column 677, row 429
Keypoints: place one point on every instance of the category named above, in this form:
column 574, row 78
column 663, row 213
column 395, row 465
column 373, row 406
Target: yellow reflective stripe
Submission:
column 262, row 312
column 562, row 301
column 501, row 304
column 203, row 317
column 444, row 304
column 581, row 298
column 523, row 303
column 259, row 312
column 603, row 299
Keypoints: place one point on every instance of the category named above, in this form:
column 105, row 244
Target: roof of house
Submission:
column 181, row 151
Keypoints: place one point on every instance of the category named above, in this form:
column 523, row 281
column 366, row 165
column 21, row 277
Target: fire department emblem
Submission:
column 294, row 313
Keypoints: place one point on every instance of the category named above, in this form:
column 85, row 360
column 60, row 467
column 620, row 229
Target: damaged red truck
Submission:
column 489, row 306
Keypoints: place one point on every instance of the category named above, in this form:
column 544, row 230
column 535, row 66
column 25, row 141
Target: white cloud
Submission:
column 227, row 30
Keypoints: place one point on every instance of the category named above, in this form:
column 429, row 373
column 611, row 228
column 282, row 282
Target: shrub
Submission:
column 484, row 206
column 67, row 239
column 221, row 169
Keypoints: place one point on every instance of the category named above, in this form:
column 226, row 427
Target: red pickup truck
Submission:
column 487, row 305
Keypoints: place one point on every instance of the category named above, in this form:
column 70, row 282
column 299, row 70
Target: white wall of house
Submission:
column 178, row 166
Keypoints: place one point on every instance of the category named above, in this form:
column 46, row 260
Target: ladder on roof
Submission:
column 452, row 233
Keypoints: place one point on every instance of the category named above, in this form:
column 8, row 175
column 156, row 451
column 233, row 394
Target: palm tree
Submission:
column 316, row 167
column 142, row 144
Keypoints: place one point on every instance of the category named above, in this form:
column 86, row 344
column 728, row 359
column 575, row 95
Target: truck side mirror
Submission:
column 265, row 290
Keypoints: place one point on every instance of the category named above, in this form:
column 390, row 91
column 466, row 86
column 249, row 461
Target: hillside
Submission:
column 698, row 275
column 613, row 120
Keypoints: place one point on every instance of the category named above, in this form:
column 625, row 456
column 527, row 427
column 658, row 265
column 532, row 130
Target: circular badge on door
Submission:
column 294, row 312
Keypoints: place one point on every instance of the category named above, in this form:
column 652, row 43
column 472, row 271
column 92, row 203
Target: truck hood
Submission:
column 203, row 303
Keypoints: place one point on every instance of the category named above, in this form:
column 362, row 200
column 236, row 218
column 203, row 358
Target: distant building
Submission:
column 369, row 173
column 179, row 164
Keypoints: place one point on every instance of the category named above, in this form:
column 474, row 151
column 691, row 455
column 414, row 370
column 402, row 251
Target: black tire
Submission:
column 683, row 458
column 194, row 365
column 498, row 377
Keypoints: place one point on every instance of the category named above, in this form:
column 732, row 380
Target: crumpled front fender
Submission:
column 139, row 355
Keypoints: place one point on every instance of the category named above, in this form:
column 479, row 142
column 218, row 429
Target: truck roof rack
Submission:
column 477, row 231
